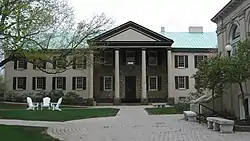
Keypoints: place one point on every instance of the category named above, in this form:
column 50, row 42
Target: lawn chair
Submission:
column 45, row 103
column 55, row 106
column 32, row 106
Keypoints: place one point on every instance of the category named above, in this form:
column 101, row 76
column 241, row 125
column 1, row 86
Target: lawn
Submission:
column 20, row 133
column 64, row 115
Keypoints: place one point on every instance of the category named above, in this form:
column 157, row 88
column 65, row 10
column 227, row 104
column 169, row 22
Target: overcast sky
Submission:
column 174, row 15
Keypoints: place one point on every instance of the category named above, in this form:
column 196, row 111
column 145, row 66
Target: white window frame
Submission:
column 77, row 88
column 56, row 85
column 80, row 63
column 156, row 58
column 37, row 88
column 130, row 60
column 104, row 83
column 156, row 83
column 18, row 65
column 17, row 82
column 184, row 81
column 178, row 60
column 106, row 57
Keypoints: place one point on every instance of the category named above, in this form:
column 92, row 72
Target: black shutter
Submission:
column 147, row 58
column 34, row 64
column 195, row 61
column 147, row 83
column 186, row 61
column 187, row 82
column 44, row 83
column 101, row 83
column 53, row 83
column 25, row 64
column 74, row 63
column 137, row 57
column 44, row 64
column 113, row 58
column 14, row 83
column 113, row 82
column 33, row 83
column 84, row 83
column 73, row 83
column 54, row 62
column 64, row 83
column 159, row 83
column 159, row 58
column 24, row 84
column 124, row 57
column 85, row 62
column 176, row 61
column 176, row 82
column 15, row 64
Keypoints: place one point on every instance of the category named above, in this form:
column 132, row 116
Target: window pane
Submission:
column 21, row 64
column 20, row 83
column 79, row 83
column 59, row 82
column 152, row 58
column 80, row 62
column 39, row 82
column 107, row 83
column 108, row 57
column 181, row 82
column 153, row 83
column 181, row 61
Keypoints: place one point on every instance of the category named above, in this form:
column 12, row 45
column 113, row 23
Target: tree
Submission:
column 34, row 30
column 238, row 68
column 211, row 75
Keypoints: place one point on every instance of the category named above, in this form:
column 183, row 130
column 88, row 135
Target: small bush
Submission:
column 180, row 107
column 55, row 95
column 71, row 98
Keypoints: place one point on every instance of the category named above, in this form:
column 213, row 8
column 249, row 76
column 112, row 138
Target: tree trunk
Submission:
column 243, row 99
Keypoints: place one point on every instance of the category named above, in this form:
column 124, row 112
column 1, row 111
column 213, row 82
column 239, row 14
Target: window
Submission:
column 21, row 64
column 130, row 57
column 80, row 63
column 108, row 57
column 108, row 83
column 152, row 58
column 198, row 59
column 59, row 63
column 235, row 37
column 152, row 83
column 40, row 82
column 79, row 83
column 59, row 83
column 40, row 64
column 181, row 62
column 19, row 83
column 181, row 82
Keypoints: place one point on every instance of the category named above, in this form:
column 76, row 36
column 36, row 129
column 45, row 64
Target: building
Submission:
column 137, row 65
column 233, row 25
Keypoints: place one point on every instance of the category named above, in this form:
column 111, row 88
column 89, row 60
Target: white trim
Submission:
column 37, row 83
column 111, row 83
column 156, row 63
column 78, row 89
column 156, row 79
column 178, row 61
column 18, row 67
column 56, row 83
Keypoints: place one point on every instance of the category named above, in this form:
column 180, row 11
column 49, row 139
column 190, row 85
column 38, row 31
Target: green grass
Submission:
column 64, row 115
column 161, row 111
column 20, row 133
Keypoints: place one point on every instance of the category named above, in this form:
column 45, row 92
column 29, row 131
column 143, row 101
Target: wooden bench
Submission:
column 189, row 115
column 220, row 124
column 159, row 105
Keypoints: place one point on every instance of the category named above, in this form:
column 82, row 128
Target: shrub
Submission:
column 55, row 95
column 72, row 98
column 180, row 107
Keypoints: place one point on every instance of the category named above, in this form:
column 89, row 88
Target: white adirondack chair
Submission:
column 56, row 106
column 45, row 103
column 32, row 106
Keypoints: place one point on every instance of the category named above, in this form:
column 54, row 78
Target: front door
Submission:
column 130, row 89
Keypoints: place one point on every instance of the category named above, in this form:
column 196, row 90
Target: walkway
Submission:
column 133, row 124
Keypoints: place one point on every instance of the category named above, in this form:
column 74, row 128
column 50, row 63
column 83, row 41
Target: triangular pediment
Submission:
column 131, row 32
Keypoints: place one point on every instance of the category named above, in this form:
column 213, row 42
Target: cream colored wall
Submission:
column 241, row 17
column 190, row 71
column 30, row 72
column 130, row 35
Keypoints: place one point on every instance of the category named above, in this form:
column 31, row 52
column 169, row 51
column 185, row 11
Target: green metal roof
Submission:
column 192, row 40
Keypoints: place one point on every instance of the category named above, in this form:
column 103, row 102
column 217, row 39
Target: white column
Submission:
column 143, row 78
column 170, row 75
column 90, row 65
column 117, row 75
